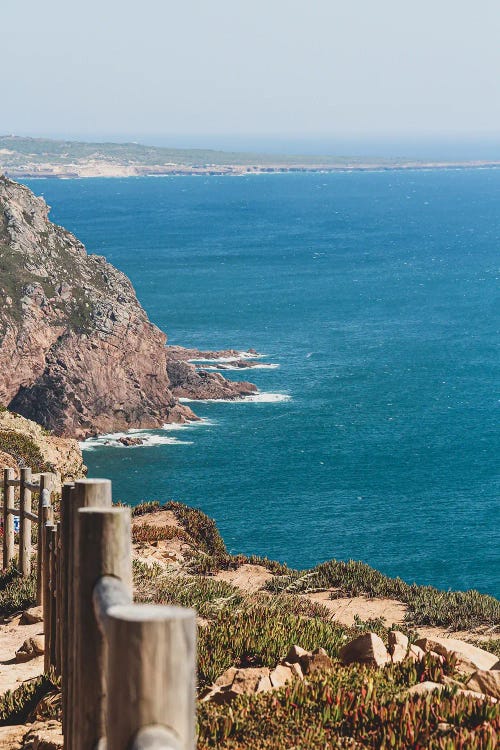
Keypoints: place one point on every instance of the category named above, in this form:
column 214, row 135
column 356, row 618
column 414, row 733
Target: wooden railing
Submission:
column 23, row 510
column 127, row 670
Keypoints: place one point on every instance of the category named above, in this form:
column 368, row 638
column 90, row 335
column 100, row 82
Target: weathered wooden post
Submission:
column 43, row 502
column 151, row 677
column 67, row 499
column 47, row 608
column 25, row 523
column 86, row 493
column 8, row 518
column 53, row 595
column 105, row 549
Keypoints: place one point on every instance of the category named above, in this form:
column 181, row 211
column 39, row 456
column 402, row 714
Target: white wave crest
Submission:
column 263, row 366
column 254, row 398
column 240, row 355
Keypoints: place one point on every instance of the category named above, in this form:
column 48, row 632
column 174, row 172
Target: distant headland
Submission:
column 22, row 158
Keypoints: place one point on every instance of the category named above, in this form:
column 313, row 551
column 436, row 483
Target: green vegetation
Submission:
column 351, row 707
column 36, row 699
column 23, row 450
column 16, row 593
column 426, row 604
column 43, row 150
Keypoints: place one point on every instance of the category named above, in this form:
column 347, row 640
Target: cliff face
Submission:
column 77, row 351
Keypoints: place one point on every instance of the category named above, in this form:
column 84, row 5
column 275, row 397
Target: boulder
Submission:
column 251, row 680
column 398, row 646
column 31, row 648
column 316, row 662
column 416, row 653
column 31, row 616
column 469, row 657
column 423, row 688
column 485, row 681
column 294, row 654
column 226, row 677
column 368, row 648
column 280, row 675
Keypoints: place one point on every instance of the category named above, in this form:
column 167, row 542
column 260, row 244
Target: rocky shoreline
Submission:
column 78, row 354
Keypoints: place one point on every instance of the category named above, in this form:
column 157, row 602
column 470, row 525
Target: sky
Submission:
column 204, row 72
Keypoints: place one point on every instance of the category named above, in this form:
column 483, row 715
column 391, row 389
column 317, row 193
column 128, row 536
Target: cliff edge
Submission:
column 78, row 353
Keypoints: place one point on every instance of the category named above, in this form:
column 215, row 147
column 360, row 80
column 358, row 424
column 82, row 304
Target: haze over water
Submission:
column 375, row 295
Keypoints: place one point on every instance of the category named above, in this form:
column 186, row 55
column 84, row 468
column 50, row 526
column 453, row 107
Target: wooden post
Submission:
column 44, row 497
column 24, row 524
column 53, row 595
column 67, row 499
column 105, row 549
column 47, row 609
column 58, row 602
column 86, row 493
column 8, row 518
column 151, row 674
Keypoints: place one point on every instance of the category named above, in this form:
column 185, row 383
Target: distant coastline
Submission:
column 29, row 158
column 103, row 169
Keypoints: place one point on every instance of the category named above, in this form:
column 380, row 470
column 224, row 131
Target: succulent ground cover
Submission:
column 349, row 707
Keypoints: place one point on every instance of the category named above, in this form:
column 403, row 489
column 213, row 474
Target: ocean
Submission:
column 375, row 297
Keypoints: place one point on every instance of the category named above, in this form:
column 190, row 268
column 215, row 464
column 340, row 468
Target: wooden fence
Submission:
column 127, row 670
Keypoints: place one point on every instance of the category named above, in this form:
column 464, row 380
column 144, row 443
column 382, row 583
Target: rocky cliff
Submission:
column 77, row 351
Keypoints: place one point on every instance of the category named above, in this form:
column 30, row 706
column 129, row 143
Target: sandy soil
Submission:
column 161, row 518
column 12, row 636
column 248, row 578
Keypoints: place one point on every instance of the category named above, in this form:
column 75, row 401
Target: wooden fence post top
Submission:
column 92, row 481
column 114, row 510
column 150, row 613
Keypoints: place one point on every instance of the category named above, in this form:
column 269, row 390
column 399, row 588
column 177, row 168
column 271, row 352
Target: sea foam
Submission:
column 255, row 398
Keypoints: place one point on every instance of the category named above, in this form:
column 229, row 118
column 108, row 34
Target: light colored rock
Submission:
column 297, row 671
column 226, row 678
column 368, row 648
column 469, row 657
column 280, row 675
column 251, row 680
column 423, row 688
column 294, row 654
column 398, row 646
column 31, row 648
column 31, row 616
column 416, row 653
column 485, row 681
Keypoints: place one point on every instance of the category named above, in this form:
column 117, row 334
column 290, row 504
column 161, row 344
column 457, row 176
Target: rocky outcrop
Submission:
column 183, row 354
column 77, row 351
column 25, row 443
column 189, row 382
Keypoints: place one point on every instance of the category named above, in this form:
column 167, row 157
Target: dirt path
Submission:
column 12, row 636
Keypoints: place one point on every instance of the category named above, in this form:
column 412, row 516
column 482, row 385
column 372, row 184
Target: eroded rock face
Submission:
column 189, row 382
column 78, row 353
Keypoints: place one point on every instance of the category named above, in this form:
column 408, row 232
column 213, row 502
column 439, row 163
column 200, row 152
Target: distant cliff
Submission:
column 77, row 351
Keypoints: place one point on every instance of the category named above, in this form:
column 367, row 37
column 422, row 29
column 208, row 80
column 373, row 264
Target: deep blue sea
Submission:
column 377, row 296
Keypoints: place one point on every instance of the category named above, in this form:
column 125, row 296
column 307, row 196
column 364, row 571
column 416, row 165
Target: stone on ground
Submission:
column 486, row 681
column 368, row 648
column 31, row 616
column 469, row 657
column 398, row 646
column 31, row 648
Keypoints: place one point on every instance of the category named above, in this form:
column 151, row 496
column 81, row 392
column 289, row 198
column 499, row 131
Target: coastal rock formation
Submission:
column 25, row 443
column 187, row 381
column 77, row 351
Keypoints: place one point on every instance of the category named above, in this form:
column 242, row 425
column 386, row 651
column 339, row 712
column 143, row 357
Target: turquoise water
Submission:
column 375, row 294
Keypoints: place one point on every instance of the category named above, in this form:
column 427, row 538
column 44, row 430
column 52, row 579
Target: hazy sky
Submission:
column 259, row 67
